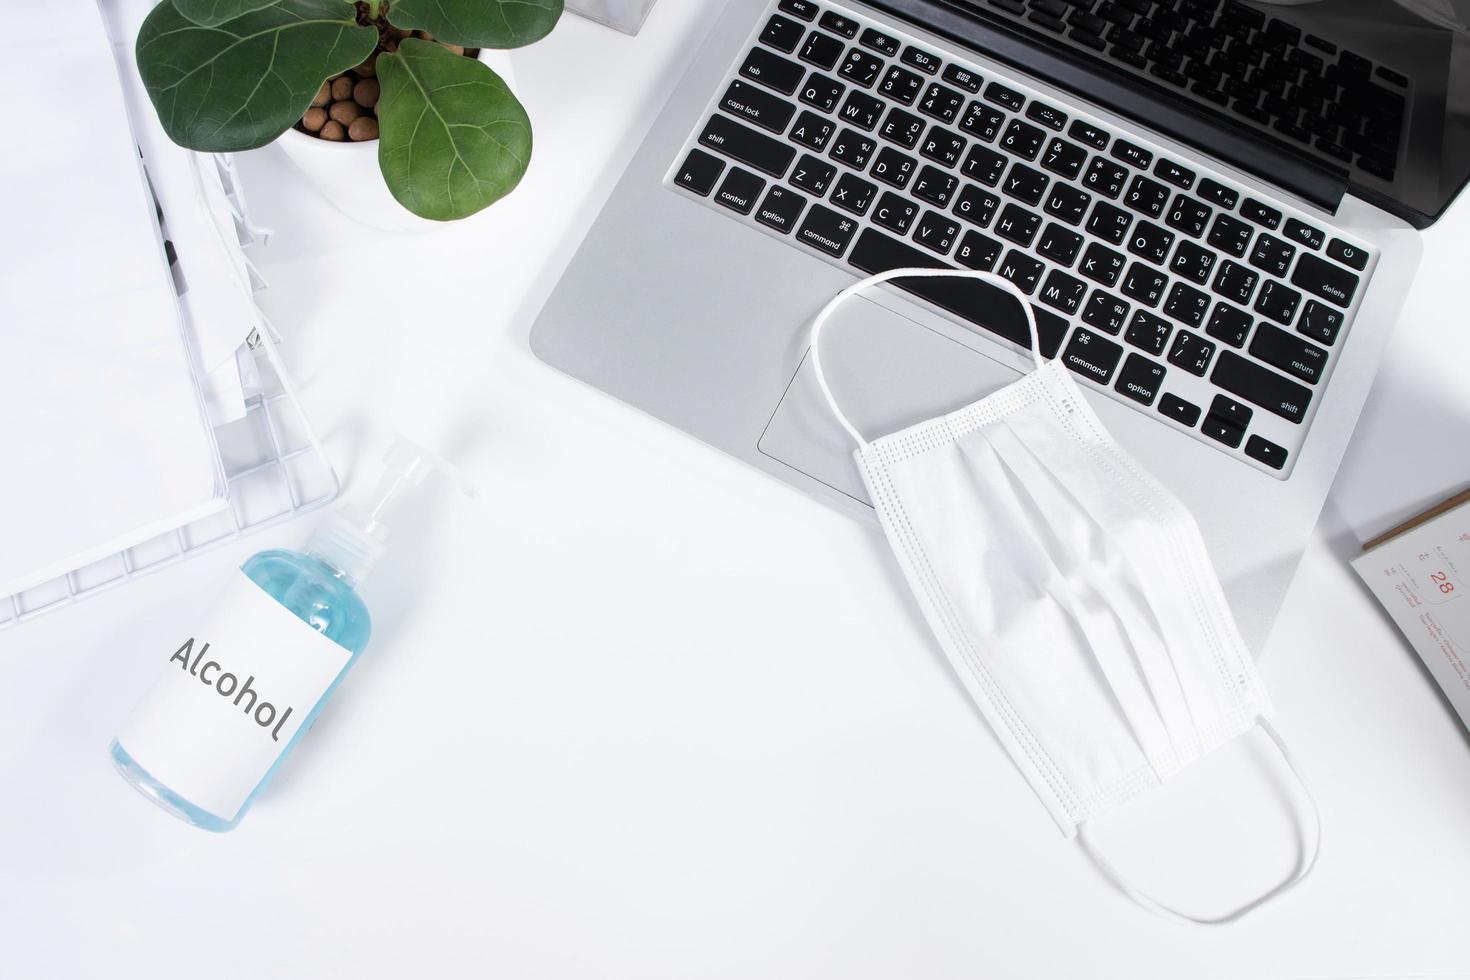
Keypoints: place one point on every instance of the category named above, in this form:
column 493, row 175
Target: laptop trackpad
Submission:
column 887, row 372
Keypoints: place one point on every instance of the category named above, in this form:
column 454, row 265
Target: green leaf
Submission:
column 478, row 23
column 242, row 83
column 212, row 12
column 453, row 139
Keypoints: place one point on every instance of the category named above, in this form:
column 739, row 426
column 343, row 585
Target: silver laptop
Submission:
column 1211, row 204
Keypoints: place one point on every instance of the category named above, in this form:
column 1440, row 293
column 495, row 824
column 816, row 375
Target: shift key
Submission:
column 1261, row 386
column 746, row 145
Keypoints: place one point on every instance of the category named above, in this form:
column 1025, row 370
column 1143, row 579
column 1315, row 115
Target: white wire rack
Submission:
column 273, row 464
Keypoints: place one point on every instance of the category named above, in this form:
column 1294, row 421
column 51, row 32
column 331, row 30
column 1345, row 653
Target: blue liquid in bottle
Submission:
column 325, row 599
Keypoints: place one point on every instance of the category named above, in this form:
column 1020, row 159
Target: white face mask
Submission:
column 1070, row 590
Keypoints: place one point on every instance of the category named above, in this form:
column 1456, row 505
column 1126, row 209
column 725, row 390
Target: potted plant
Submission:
column 337, row 78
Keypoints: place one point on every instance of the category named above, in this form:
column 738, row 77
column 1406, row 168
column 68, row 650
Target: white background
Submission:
column 647, row 713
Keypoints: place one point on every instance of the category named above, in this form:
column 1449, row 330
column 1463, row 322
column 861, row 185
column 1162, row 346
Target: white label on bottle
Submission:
column 229, row 698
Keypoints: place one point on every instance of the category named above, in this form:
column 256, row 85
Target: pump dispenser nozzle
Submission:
column 354, row 536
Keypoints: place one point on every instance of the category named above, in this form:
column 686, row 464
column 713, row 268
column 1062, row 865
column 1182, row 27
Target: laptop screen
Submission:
column 1377, row 91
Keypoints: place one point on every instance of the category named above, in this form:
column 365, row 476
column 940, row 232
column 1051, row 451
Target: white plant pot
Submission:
column 347, row 173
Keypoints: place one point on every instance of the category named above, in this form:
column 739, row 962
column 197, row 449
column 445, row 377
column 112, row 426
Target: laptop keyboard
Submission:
column 1170, row 287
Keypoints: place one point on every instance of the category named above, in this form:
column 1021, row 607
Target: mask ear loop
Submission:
column 1304, row 868
column 882, row 277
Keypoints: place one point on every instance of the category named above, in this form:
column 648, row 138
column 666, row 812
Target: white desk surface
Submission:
column 648, row 713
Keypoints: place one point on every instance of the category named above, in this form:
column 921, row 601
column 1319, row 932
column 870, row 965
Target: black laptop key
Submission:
column 1304, row 234
column 854, row 194
column 1147, row 196
column 1261, row 214
column 813, row 175
column 1022, row 139
column 935, row 186
column 1289, row 352
column 1059, row 245
column 1218, row 193
column 980, row 303
column 895, row 213
column 821, row 50
column 782, row 34
column 1265, row 451
column 903, row 128
column 822, row 92
column 1189, row 215
column 772, row 70
column 827, row 230
column 978, row 251
column 983, row 122
column 740, row 191
column 1149, row 333
column 880, row 42
column 901, row 85
column 920, row 59
column 1132, row 153
column 1105, row 312
column 1105, row 178
column 1144, row 284
column 780, row 209
column 943, row 146
column 1271, row 255
column 1349, row 255
column 1140, row 379
column 936, row 232
column 894, row 168
column 1181, row 411
column 1151, row 242
column 699, row 172
column 976, row 206
column 1192, row 262
column 1006, row 98
column 1086, row 132
column 1109, row 223
column 1092, row 356
column 1101, row 264
column 852, row 149
column 813, row 130
column 1018, row 225
column 1229, row 325
column 838, row 24
column 1054, row 24
column 1025, row 184
column 1048, row 116
column 1262, row 386
column 1174, row 173
column 1062, row 292
column 805, row 9
column 964, row 78
column 758, row 106
column 753, row 149
column 985, row 165
column 1186, row 304
column 941, row 102
column 1022, row 270
column 1320, row 322
column 860, row 67
column 1231, row 235
column 1009, row 6
column 1192, row 353
column 1325, row 280
column 861, row 110
column 1222, row 430
column 1067, row 203
column 1277, row 301
column 1064, row 158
